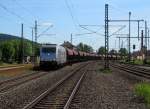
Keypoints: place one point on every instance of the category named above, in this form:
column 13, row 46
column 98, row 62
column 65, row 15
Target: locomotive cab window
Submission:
column 48, row 50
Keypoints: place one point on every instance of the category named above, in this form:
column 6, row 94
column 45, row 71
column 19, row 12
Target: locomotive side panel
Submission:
column 61, row 57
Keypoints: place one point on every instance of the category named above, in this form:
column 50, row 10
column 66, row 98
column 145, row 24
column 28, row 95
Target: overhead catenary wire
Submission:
column 121, row 28
column 86, row 26
column 74, row 13
column 20, row 17
column 91, row 30
column 117, row 31
column 27, row 10
column 102, row 25
column 13, row 13
column 114, row 7
column 5, row 18
column 120, row 9
column 44, row 31
column 81, row 34
column 75, row 22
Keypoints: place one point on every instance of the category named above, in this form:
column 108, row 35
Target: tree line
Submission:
column 11, row 50
column 84, row 47
column 121, row 52
column 101, row 51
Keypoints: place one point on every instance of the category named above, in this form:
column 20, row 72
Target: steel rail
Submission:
column 10, row 68
column 43, row 95
column 26, row 79
column 136, row 68
column 133, row 71
column 74, row 92
column 20, row 80
column 17, row 78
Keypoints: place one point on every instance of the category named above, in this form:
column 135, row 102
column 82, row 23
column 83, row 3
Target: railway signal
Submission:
column 107, row 20
column 134, row 47
column 143, row 48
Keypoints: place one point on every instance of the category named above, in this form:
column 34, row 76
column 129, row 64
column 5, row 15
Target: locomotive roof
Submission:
column 48, row 44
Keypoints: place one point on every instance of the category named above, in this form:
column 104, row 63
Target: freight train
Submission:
column 54, row 55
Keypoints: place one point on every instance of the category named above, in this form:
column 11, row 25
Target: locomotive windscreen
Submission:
column 49, row 50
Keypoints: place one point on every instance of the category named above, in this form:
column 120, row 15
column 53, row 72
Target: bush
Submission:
column 143, row 90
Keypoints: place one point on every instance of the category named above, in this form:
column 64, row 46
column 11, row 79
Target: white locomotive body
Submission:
column 52, row 55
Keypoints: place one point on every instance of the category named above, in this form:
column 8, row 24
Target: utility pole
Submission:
column 71, row 38
column 129, row 36
column 146, row 33
column 32, row 42
column 35, row 42
column 142, row 48
column 106, row 37
column 142, row 40
column 129, row 56
column 115, row 44
column 22, row 44
column 138, row 30
column 148, row 38
column 119, row 43
column 122, row 46
column 145, row 60
column 35, row 31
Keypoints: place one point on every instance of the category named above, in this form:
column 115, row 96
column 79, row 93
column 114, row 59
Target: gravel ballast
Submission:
column 19, row 96
column 106, row 91
column 97, row 91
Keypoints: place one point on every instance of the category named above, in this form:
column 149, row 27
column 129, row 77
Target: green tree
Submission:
column 8, row 51
column 11, row 50
column 0, row 55
column 88, row 48
column 27, row 48
column 16, row 45
column 84, row 47
column 80, row 46
column 123, row 52
column 112, row 52
column 101, row 50
column 36, row 49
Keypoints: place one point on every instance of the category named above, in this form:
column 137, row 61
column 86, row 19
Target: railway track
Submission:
column 11, row 67
column 60, row 95
column 140, row 72
column 136, row 67
column 7, row 85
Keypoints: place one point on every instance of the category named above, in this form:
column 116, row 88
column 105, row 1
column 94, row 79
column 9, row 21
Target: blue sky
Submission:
column 84, row 12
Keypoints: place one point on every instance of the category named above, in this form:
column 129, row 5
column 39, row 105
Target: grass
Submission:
column 107, row 71
column 148, row 61
column 8, row 65
column 17, row 71
column 135, row 61
column 143, row 90
column 138, row 62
